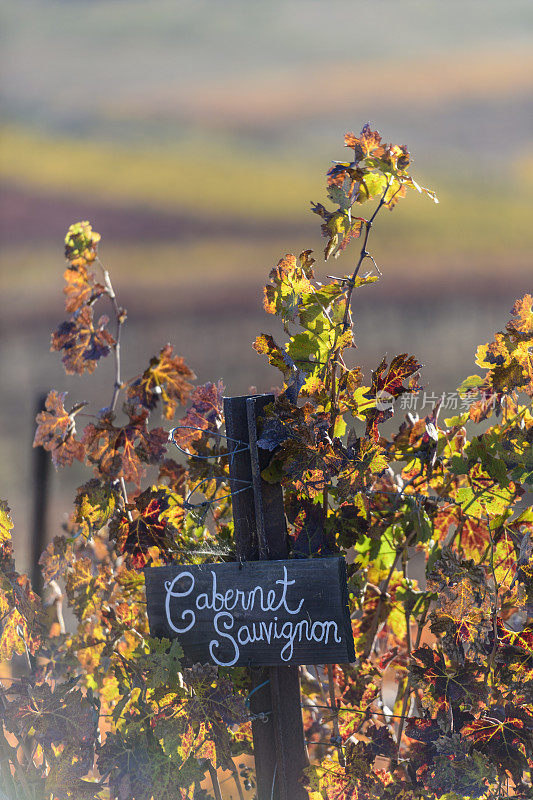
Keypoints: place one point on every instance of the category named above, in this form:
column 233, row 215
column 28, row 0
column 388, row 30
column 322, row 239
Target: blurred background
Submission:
column 193, row 134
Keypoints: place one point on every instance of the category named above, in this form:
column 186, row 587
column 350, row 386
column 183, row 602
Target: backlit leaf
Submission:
column 81, row 288
column 339, row 228
column 388, row 383
column 123, row 452
column 289, row 280
column 6, row 523
column 365, row 144
column 95, row 504
column 167, row 378
column 149, row 522
column 56, row 431
column 522, row 317
column 204, row 415
column 82, row 341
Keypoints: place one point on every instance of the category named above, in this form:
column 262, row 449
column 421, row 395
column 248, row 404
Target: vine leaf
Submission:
column 474, row 532
column 464, row 607
column 6, row 524
column 522, row 317
column 205, row 413
column 265, row 345
column 82, row 341
column 339, row 227
column 20, row 609
column 388, row 383
column 289, row 280
column 56, row 431
column 367, row 143
column 95, row 504
column 64, row 723
column 442, row 689
column 81, row 288
column 304, row 453
column 150, row 521
column 123, row 452
column 509, row 357
column 167, row 378
column 482, row 495
column 307, row 526
column 500, row 733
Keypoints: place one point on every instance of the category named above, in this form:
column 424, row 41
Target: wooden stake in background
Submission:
column 260, row 533
column 41, row 487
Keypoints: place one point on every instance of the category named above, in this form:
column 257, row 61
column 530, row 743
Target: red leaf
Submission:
column 148, row 523
column 387, row 385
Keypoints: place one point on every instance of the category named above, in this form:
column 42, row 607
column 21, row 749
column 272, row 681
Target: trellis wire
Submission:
column 208, row 503
column 242, row 446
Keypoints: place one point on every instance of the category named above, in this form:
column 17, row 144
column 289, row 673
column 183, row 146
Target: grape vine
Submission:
column 438, row 703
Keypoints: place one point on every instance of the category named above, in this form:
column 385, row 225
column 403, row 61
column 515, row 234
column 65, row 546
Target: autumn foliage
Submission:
column 438, row 703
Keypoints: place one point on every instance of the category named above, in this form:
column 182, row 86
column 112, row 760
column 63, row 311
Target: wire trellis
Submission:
column 231, row 453
column 203, row 507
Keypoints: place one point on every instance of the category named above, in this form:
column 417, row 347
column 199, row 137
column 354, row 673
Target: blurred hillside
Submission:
column 193, row 135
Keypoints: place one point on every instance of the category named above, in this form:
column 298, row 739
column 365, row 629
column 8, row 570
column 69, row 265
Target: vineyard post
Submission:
column 260, row 533
column 41, row 482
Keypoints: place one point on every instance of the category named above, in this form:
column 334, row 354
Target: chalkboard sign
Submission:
column 258, row 613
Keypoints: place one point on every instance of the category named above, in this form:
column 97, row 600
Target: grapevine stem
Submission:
column 120, row 318
column 382, row 597
column 346, row 319
column 235, row 774
column 320, row 684
column 401, row 725
column 494, row 650
column 214, row 780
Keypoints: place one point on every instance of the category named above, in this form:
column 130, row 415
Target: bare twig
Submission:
column 235, row 775
column 420, row 628
column 371, row 635
column 494, row 650
column 320, row 684
column 214, row 780
column 120, row 318
column 58, row 604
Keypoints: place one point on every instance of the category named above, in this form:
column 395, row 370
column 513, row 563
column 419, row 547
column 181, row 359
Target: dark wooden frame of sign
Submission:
column 260, row 533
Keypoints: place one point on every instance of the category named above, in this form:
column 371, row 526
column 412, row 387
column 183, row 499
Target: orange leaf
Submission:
column 56, row 431
column 83, row 342
column 167, row 378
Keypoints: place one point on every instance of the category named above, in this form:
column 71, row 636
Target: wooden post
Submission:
column 260, row 533
column 41, row 480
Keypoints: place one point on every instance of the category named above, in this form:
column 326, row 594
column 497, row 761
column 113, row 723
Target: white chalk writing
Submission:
column 229, row 635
